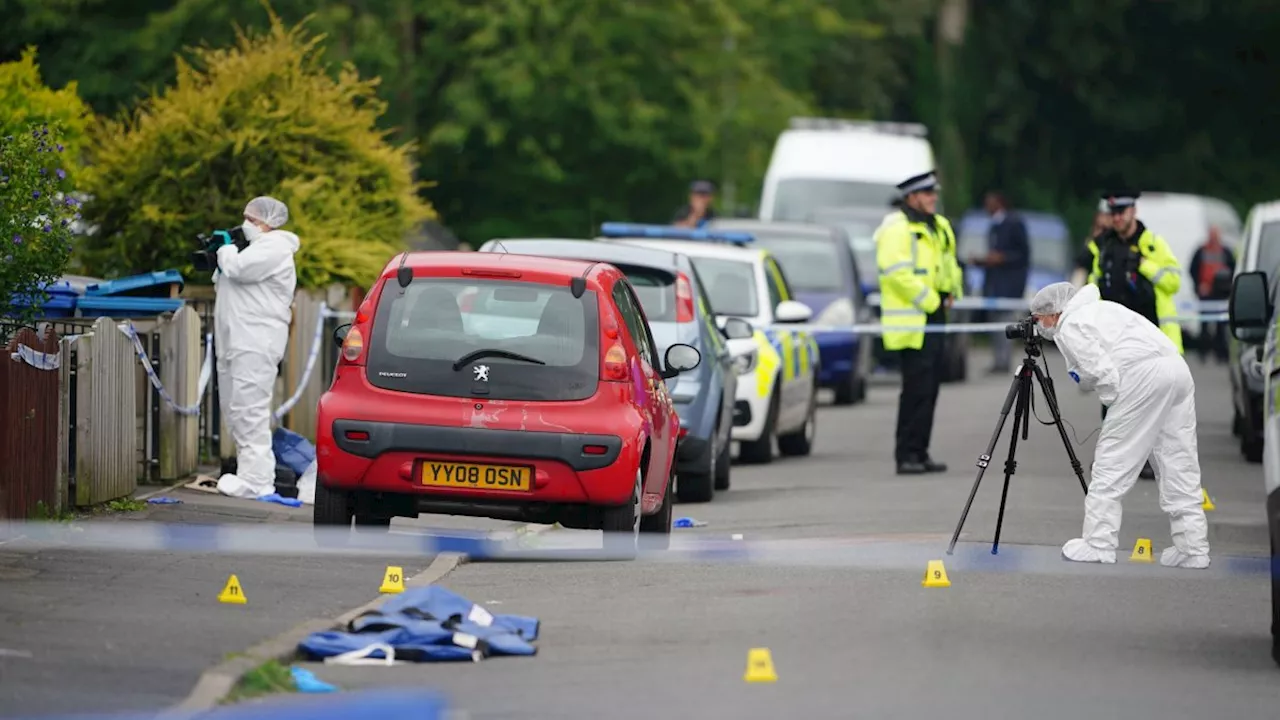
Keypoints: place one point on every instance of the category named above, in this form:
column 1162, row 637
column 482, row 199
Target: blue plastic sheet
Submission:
column 430, row 624
column 292, row 450
column 365, row 705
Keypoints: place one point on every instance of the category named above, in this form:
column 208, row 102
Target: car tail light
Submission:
column 683, row 432
column 684, row 299
column 353, row 346
column 615, row 363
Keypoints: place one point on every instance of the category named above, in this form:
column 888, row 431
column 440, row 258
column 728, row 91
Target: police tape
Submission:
column 946, row 328
column 1023, row 304
column 900, row 551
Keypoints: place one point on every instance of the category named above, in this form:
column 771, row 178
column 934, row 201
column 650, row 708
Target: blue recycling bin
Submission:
column 60, row 303
column 142, row 295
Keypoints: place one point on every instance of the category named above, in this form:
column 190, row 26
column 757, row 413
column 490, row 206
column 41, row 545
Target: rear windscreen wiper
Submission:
column 478, row 354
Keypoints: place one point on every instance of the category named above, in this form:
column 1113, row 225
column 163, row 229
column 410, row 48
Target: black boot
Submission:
column 932, row 466
column 912, row 467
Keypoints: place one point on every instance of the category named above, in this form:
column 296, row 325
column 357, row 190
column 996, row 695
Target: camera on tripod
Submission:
column 206, row 258
column 1024, row 329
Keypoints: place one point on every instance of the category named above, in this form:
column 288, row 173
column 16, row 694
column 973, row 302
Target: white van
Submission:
column 821, row 163
column 1184, row 221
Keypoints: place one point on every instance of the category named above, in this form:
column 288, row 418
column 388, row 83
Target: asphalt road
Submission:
column 1025, row 635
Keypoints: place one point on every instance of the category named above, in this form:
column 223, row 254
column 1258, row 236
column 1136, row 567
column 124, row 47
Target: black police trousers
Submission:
column 921, row 375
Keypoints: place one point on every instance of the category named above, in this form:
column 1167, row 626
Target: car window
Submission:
column 655, row 289
column 731, row 284
column 1269, row 249
column 860, row 233
column 712, row 332
column 795, row 199
column 809, row 263
column 533, row 341
column 634, row 320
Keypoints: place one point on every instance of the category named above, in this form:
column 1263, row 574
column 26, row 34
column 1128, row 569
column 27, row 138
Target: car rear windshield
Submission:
column 731, row 285
column 656, row 290
column 809, row 263
column 499, row 339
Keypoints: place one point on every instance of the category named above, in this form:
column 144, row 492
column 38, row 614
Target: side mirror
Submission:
column 790, row 311
column 737, row 329
column 340, row 334
column 1249, row 309
column 680, row 358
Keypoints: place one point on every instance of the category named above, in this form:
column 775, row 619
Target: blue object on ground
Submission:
column 430, row 624
column 363, row 705
column 277, row 499
column 307, row 682
column 162, row 500
column 687, row 522
column 292, row 450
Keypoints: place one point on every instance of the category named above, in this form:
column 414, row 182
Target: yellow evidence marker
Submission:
column 935, row 576
column 392, row 580
column 232, row 593
column 760, row 666
column 1208, row 504
column 1141, row 551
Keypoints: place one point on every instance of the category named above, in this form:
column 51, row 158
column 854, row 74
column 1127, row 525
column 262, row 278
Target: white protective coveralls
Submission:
column 1150, row 395
column 255, row 289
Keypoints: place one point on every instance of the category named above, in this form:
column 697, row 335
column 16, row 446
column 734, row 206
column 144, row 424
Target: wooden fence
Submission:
column 29, row 423
column 182, row 353
column 102, row 439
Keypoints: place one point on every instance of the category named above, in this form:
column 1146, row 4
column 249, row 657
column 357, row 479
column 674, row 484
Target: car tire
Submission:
column 372, row 524
column 331, row 516
column 800, row 442
column 1251, row 448
column 658, row 525
column 724, row 465
column 1237, row 422
column 698, row 487
column 760, row 450
column 847, row 390
column 621, row 524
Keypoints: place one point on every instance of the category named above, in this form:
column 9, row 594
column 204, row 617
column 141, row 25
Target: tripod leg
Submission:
column 1020, row 415
column 1046, row 385
column 985, row 459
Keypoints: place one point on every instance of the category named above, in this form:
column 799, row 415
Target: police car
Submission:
column 747, row 283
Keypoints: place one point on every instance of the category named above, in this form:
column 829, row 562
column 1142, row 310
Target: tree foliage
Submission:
column 35, row 217
column 26, row 101
column 262, row 116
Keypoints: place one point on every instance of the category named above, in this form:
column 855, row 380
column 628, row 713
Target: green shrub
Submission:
column 25, row 101
column 263, row 117
column 35, row 218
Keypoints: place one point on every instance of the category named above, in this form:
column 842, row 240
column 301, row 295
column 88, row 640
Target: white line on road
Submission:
column 5, row 652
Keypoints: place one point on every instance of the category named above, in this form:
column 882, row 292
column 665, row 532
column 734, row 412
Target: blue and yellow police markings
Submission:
column 794, row 350
column 767, row 361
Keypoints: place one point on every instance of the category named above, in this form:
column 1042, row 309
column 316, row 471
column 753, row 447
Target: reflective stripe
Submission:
column 919, row 298
column 802, row 357
column 1170, row 321
column 903, row 311
column 788, row 355
column 905, row 264
column 1161, row 273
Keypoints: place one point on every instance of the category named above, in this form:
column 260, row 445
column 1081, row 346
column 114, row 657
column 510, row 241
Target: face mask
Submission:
column 1047, row 332
column 251, row 232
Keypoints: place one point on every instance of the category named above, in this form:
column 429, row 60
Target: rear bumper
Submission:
column 390, row 461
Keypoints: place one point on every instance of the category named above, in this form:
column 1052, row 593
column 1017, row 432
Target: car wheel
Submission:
column 331, row 515
column 699, row 487
column 1237, row 422
column 847, row 390
column 372, row 524
column 760, row 450
column 621, row 525
column 658, row 525
column 1251, row 447
column 800, row 442
column 723, row 465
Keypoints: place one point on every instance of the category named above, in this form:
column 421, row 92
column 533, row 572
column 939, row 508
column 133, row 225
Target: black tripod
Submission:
column 1020, row 391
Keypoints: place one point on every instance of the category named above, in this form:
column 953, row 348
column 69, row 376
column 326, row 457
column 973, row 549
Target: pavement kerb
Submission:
column 217, row 682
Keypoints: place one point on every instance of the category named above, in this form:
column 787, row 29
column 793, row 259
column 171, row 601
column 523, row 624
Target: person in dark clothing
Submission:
column 699, row 211
column 1212, row 268
column 1007, row 263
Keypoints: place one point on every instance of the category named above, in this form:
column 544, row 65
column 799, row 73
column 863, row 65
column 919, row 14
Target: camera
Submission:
column 206, row 258
column 1024, row 329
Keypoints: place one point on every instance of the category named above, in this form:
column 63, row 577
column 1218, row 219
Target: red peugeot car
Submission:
column 506, row 386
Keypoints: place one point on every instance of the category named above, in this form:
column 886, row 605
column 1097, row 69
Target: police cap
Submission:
column 1121, row 199
column 919, row 183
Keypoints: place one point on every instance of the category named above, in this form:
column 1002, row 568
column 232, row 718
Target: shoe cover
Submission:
column 1078, row 550
column 233, row 485
column 1172, row 557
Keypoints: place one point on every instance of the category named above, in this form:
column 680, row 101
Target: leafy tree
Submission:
column 26, row 101
column 35, row 218
column 263, row 116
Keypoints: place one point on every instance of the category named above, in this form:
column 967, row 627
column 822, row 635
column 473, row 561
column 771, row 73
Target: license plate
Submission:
column 481, row 477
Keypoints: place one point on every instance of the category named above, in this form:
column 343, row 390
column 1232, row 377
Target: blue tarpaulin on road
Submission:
column 365, row 705
column 430, row 624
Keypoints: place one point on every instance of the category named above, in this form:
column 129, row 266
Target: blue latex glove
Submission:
column 1074, row 376
column 279, row 500
column 307, row 682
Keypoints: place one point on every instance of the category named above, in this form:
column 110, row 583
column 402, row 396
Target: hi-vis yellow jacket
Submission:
column 917, row 264
column 1160, row 266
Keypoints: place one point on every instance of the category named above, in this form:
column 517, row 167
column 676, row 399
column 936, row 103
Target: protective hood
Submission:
column 1084, row 296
